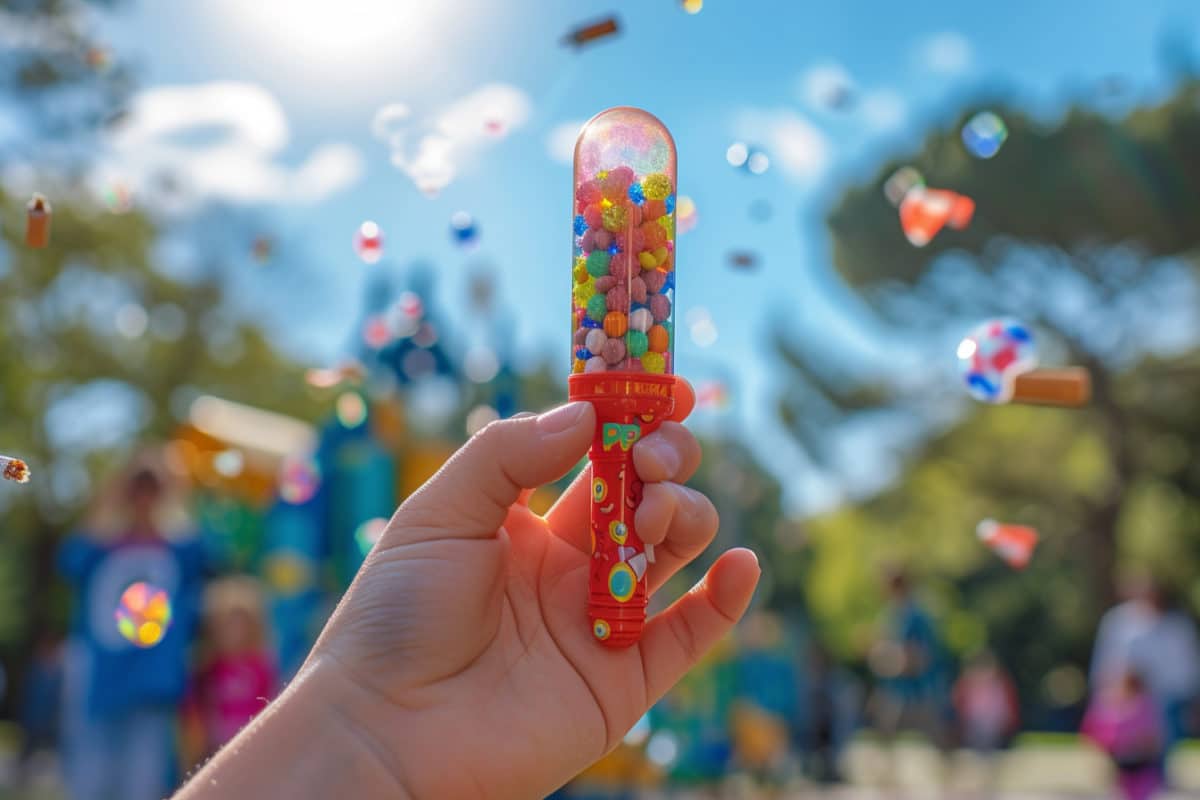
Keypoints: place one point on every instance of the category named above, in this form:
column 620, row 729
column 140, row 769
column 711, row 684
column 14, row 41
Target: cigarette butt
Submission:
column 1054, row 387
column 37, row 222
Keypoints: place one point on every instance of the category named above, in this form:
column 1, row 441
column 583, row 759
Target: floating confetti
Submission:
column 464, row 231
column 143, row 614
column 368, row 242
column 991, row 357
column 692, row 6
column 984, row 134
column 743, row 259
column 14, row 469
column 117, row 197
column 924, row 212
column 37, row 221
column 350, row 409
column 586, row 34
column 98, row 58
column 368, row 533
column 900, row 183
column 736, row 154
column 713, row 394
column 349, row 372
column 299, row 479
column 1013, row 543
column 686, row 216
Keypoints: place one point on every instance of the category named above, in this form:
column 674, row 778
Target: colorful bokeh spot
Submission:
column 991, row 357
column 984, row 134
column 351, row 409
column 143, row 614
column 685, row 214
column 368, row 242
column 601, row 629
column 368, row 533
column 299, row 480
column 464, row 231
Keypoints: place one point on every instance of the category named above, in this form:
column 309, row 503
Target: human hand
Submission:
column 464, row 641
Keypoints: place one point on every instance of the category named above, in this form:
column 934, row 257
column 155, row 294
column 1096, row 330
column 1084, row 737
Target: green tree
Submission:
column 1084, row 229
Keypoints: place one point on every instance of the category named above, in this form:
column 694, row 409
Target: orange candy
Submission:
column 655, row 235
column 653, row 209
column 660, row 340
column 615, row 323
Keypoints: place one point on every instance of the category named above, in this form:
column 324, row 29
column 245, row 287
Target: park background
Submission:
column 209, row 164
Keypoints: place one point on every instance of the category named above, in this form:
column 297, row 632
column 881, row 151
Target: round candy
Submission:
column 580, row 337
column 602, row 238
column 583, row 292
column 637, row 290
column 614, row 218
column 464, row 231
column 597, row 307
column 660, row 307
column 143, row 614
column 656, row 186
column 992, row 356
column 587, row 321
column 593, row 215
column 640, row 319
column 597, row 263
column 579, row 271
column 636, row 240
column 595, row 340
column 654, row 234
column 619, row 267
column 577, row 366
column 668, row 226
column 658, row 338
column 580, row 225
column 646, row 259
column 636, row 342
column 631, row 365
column 618, row 298
column 587, row 242
column 614, row 324
column 605, row 283
column 655, row 280
column 583, row 354
column 368, row 242
column 654, row 363
column 636, row 194
column 614, row 351
column 587, row 194
column 595, row 364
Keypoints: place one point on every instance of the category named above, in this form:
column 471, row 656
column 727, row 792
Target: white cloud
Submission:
column 560, row 143
column 433, row 149
column 883, row 110
column 220, row 141
column 793, row 143
column 827, row 86
column 946, row 53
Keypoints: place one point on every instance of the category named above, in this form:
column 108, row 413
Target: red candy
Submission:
column 613, row 351
column 602, row 239
column 655, row 235
column 618, row 299
column 660, row 307
column 587, row 194
column 654, row 279
column 637, row 290
column 594, row 216
column 587, row 242
column 619, row 267
column 605, row 282
column 637, row 240
column 653, row 209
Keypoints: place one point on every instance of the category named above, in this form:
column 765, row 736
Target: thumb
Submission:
column 470, row 495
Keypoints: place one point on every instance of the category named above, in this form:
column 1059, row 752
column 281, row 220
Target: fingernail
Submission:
column 663, row 452
column 561, row 418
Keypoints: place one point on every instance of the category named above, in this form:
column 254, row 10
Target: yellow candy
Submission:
column 613, row 218
column 656, row 186
column 654, row 363
column 660, row 255
column 602, row 174
column 577, row 367
column 584, row 291
column 646, row 259
column 668, row 224
column 580, row 272
column 606, row 203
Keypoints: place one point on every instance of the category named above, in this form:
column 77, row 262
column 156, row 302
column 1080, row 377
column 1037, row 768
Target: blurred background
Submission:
column 299, row 251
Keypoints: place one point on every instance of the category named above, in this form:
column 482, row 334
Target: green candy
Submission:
column 597, row 263
column 637, row 343
column 597, row 307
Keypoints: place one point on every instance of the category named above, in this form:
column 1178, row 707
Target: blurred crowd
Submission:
column 125, row 715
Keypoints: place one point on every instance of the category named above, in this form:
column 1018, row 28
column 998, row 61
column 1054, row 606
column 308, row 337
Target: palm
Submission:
column 483, row 640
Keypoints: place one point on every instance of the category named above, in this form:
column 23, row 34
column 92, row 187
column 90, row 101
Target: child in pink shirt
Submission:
column 1124, row 720
column 237, row 677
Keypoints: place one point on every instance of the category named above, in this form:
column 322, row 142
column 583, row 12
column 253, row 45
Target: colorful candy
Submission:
column 623, row 230
column 464, row 231
column 14, row 469
column 1013, row 543
column 924, row 212
column 368, row 242
column 998, row 362
column 37, row 221
column 585, row 34
column 143, row 614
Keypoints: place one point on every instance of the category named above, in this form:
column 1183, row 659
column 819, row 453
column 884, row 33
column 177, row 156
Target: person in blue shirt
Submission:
column 120, row 698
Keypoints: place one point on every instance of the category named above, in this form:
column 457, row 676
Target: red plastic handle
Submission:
column 628, row 407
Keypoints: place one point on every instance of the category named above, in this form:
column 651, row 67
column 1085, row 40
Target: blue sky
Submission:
column 736, row 70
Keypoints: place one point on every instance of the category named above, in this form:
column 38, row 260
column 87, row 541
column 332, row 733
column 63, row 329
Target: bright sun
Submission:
column 325, row 30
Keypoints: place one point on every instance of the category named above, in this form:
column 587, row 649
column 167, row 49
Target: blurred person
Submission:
column 41, row 703
column 910, row 667
column 238, row 676
column 834, row 701
column 1148, row 631
column 985, row 701
column 119, row 698
column 1124, row 721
